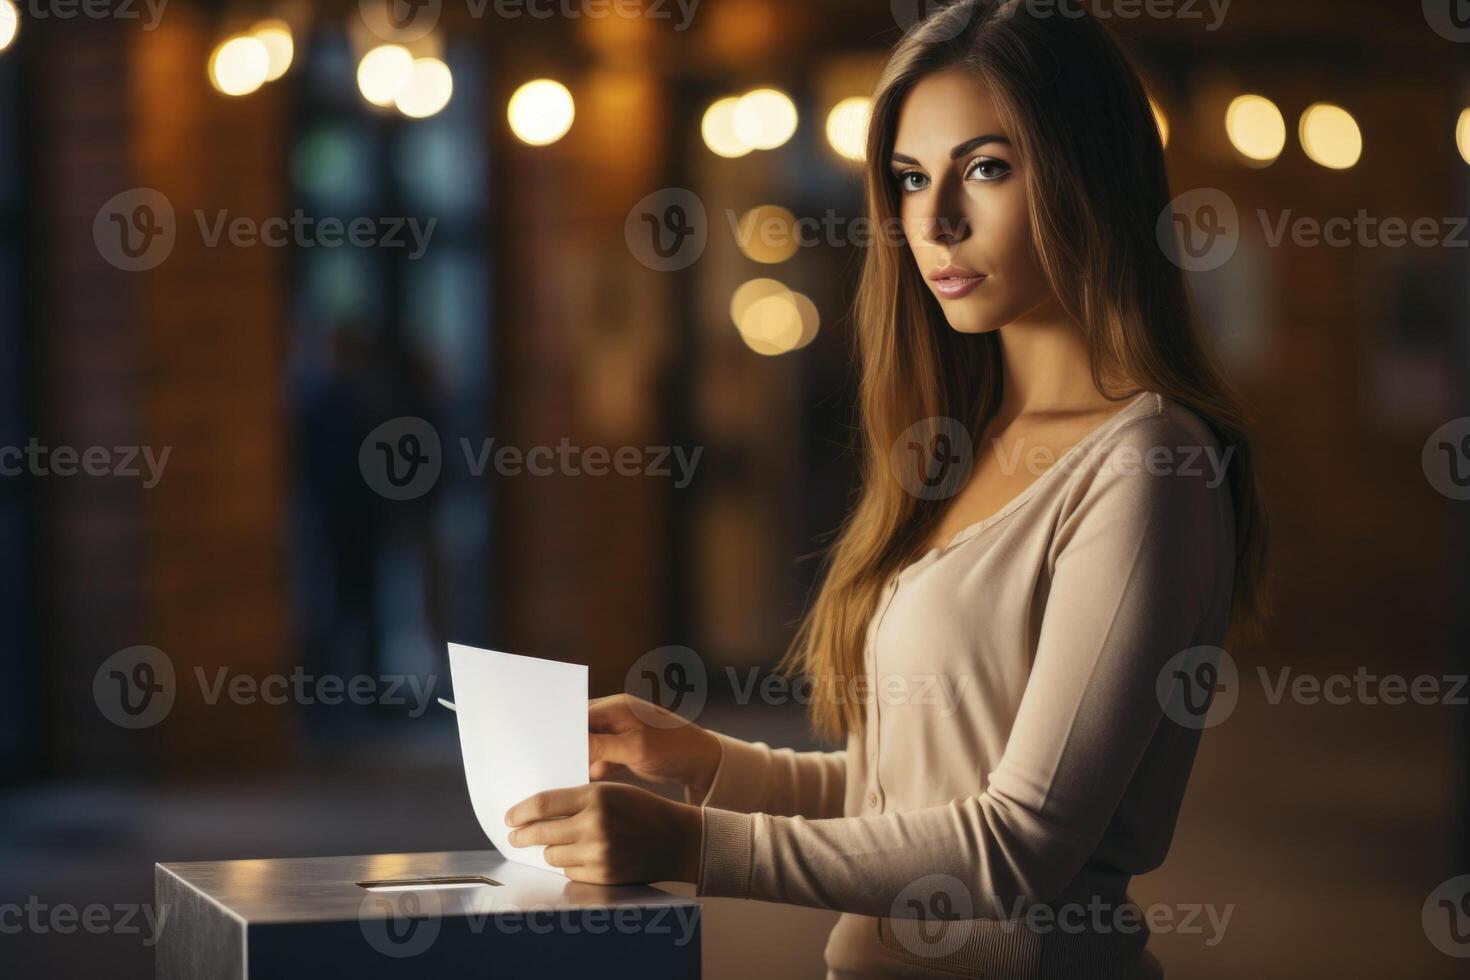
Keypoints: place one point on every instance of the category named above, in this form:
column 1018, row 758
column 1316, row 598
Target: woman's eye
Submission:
column 903, row 180
column 989, row 168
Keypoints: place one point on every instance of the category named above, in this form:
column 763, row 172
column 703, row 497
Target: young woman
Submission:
column 1054, row 582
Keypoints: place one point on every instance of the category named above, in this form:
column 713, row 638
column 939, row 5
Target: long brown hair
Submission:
column 1082, row 126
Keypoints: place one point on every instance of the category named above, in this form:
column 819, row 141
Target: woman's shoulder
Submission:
column 1158, row 437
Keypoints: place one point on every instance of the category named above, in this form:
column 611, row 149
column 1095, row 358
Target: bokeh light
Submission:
column 718, row 129
column 1161, row 120
column 847, row 126
column 1462, row 135
column 771, row 318
column 430, row 86
column 9, row 23
column 383, row 73
column 280, row 49
column 768, row 234
column 239, row 65
column 1256, row 128
column 1330, row 136
column 764, row 118
column 541, row 112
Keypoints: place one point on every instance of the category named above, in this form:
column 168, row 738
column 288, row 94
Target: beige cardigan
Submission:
column 1016, row 747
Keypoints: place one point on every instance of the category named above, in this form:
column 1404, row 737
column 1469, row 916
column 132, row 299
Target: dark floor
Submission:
column 1320, row 830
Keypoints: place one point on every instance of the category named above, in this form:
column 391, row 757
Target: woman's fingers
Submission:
column 629, row 748
column 563, row 855
column 604, row 770
column 547, row 804
column 611, row 714
column 561, row 830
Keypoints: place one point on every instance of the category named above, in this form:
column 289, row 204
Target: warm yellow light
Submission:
column 279, row 47
column 428, row 90
column 384, row 72
column 748, row 292
column 778, row 320
column 718, row 129
column 768, row 234
column 1331, row 137
column 1462, row 135
column 239, row 65
column 771, row 318
column 541, row 112
column 1256, row 128
column 1161, row 120
column 764, row 118
column 9, row 23
column 847, row 126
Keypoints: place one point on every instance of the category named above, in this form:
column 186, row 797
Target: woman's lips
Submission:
column 953, row 287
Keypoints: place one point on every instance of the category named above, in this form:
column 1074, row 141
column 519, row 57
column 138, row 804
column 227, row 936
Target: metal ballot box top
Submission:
column 460, row 913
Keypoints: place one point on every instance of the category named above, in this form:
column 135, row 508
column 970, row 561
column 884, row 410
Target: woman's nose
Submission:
column 944, row 226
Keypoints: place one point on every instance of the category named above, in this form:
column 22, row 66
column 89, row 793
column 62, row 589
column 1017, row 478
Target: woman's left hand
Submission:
column 611, row 833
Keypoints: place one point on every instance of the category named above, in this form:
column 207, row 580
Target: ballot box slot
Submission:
column 427, row 884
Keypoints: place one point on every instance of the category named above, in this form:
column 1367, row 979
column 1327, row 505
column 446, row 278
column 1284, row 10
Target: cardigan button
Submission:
column 872, row 799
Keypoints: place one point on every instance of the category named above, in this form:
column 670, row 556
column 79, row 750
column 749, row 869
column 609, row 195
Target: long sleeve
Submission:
column 1137, row 560
column 754, row 777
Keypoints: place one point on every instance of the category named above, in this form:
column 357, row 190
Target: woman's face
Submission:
column 962, row 202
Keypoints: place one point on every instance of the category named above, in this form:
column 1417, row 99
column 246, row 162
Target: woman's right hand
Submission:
column 628, row 734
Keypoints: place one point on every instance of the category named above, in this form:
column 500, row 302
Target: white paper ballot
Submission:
column 522, row 729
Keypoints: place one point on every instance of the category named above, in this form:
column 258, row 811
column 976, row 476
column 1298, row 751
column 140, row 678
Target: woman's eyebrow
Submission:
column 961, row 150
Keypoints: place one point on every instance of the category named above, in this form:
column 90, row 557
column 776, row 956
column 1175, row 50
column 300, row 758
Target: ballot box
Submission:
column 446, row 914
